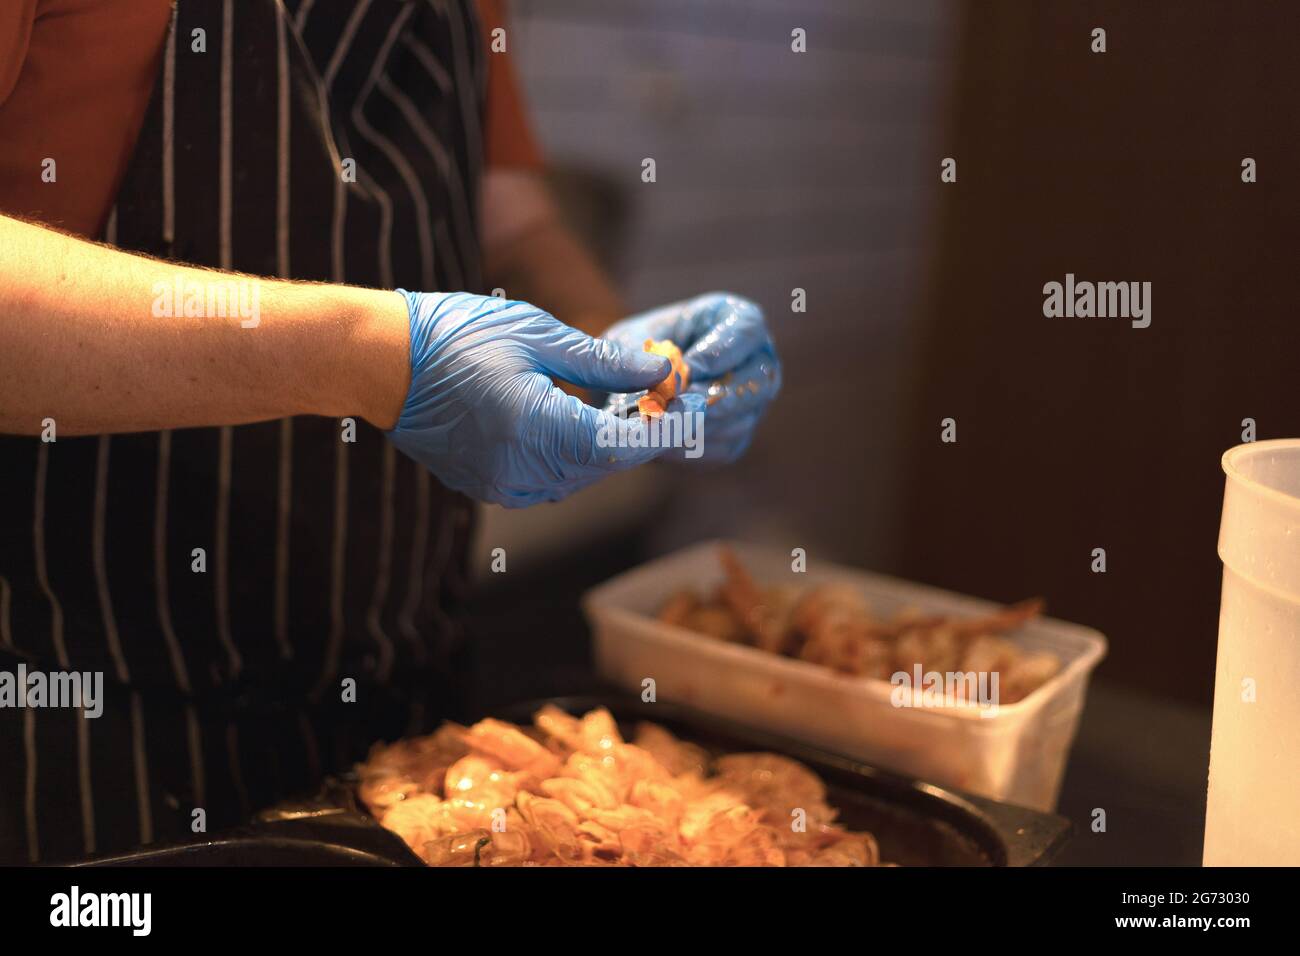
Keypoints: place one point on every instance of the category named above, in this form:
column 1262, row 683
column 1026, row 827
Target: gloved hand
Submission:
column 732, row 359
column 483, row 415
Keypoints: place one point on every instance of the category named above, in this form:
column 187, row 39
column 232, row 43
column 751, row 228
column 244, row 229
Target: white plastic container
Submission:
column 1017, row 756
column 1252, row 815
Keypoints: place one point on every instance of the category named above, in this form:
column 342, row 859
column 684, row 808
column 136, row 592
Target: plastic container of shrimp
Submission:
column 1017, row 755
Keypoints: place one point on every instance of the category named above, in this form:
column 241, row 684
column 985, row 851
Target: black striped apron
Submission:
column 325, row 559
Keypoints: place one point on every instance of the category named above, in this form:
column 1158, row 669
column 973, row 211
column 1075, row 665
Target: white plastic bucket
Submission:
column 1017, row 756
column 1253, row 806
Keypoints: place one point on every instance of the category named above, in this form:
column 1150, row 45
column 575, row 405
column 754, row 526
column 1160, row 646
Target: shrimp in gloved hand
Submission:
column 655, row 402
column 733, row 363
column 483, row 412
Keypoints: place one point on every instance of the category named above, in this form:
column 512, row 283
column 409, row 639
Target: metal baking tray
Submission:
column 915, row 823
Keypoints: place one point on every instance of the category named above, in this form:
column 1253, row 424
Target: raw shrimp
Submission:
column 747, row 602
column 679, row 608
column 492, row 795
column 676, row 756
column 580, row 795
column 396, row 771
column 554, row 824
column 655, row 402
column 481, row 783
column 716, row 620
column 776, row 785
column 563, row 729
column 834, row 625
column 512, row 747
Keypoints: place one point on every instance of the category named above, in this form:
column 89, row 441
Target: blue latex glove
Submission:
column 732, row 359
column 483, row 415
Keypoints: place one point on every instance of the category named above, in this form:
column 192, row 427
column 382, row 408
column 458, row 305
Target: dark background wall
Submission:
column 1083, row 433
column 821, row 170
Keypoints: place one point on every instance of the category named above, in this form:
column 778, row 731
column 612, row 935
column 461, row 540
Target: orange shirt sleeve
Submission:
column 85, row 111
column 508, row 139
column 75, row 80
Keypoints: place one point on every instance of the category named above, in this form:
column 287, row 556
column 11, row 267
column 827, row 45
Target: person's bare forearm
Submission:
column 100, row 341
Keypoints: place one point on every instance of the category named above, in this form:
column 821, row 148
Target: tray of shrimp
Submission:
column 952, row 689
column 617, row 781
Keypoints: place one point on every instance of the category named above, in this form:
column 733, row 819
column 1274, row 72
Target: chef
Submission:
column 253, row 522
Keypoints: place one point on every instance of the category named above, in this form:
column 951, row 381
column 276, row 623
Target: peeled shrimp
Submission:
column 515, row 749
column 493, row 795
